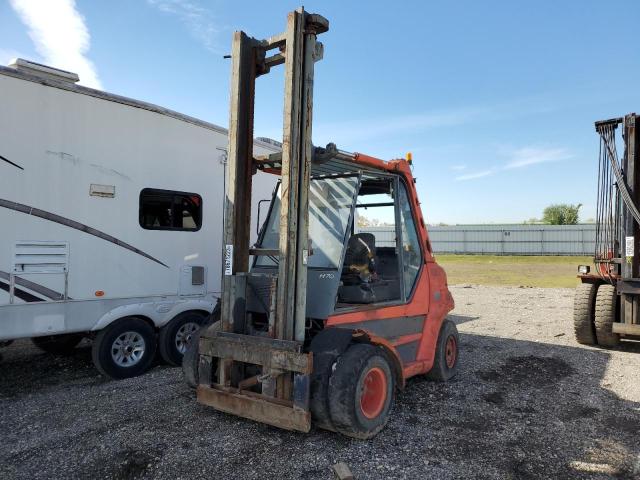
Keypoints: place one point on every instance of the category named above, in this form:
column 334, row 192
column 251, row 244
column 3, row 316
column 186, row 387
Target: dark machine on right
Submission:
column 607, row 301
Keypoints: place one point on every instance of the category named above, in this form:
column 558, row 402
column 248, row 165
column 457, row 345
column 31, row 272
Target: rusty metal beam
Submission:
column 269, row 411
column 279, row 355
column 626, row 329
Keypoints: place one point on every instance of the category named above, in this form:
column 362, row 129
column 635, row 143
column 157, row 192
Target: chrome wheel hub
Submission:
column 128, row 349
column 184, row 334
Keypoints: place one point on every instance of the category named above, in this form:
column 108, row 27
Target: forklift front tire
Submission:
column 125, row 348
column 361, row 391
column 606, row 313
column 191, row 357
column 445, row 364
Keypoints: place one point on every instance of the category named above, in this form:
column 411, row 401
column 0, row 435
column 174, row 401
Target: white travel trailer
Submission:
column 110, row 219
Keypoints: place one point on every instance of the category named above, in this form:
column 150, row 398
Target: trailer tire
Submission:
column 175, row 336
column 191, row 357
column 58, row 344
column 445, row 363
column 361, row 391
column 124, row 349
column 584, row 303
column 605, row 316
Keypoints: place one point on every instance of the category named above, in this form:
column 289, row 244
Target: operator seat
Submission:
column 359, row 270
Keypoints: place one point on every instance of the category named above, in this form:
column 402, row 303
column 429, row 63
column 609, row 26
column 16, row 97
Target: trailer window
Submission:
column 170, row 210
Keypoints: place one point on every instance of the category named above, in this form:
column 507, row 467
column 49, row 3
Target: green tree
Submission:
column 561, row 214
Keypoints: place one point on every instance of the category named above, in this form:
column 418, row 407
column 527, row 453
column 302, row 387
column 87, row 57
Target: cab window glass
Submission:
column 411, row 254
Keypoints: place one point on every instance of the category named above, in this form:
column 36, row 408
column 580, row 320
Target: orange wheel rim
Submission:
column 374, row 393
column 451, row 351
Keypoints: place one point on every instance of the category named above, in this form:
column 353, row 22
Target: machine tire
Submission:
column 58, row 344
column 214, row 316
column 361, row 391
column 119, row 343
column 191, row 357
column 445, row 363
column 318, row 400
column 176, row 335
column 605, row 315
column 584, row 302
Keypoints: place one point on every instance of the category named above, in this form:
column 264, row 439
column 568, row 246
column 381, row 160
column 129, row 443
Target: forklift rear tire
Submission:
column 58, row 344
column 445, row 363
column 605, row 316
column 175, row 336
column 361, row 391
column 191, row 357
column 124, row 349
column 584, row 303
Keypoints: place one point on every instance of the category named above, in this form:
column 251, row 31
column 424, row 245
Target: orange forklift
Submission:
column 341, row 300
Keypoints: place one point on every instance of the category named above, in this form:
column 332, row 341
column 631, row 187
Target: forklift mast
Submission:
column 280, row 356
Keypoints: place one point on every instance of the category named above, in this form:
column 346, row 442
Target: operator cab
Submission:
column 363, row 245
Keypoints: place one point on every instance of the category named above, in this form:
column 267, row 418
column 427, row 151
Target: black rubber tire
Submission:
column 441, row 372
column 214, row 316
column 191, row 358
column 319, row 392
column 102, row 344
column 167, row 338
column 605, row 315
column 345, row 389
column 584, row 304
column 58, row 344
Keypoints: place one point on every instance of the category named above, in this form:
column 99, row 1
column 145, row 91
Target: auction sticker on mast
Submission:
column 629, row 244
column 228, row 260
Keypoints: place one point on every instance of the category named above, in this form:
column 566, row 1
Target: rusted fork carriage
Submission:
column 324, row 324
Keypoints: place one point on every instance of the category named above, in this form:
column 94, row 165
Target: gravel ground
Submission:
column 528, row 403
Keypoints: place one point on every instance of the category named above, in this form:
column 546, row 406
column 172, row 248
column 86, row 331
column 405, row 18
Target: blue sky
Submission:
column 496, row 100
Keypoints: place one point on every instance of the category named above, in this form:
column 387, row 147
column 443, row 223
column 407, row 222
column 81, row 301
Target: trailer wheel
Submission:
column 605, row 316
column 176, row 335
column 361, row 391
column 445, row 363
column 58, row 344
column 584, row 302
column 125, row 348
column 191, row 357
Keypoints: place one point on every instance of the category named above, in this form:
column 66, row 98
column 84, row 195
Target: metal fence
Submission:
column 503, row 239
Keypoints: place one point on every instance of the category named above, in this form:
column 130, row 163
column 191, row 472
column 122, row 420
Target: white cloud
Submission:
column 526, row 156
column 60, row 35
column 472, row 176
column 520, row 158
column 198, row 20
column 458, row 168
column 359, row 131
